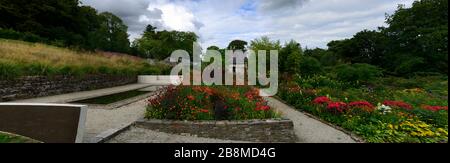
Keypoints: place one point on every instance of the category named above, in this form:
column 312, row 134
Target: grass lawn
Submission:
column 11, row 138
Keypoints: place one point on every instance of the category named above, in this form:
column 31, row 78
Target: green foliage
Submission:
column 357, row 73
column 237, row 45
column 416, row 40
column 289, row 57
column 308, row 66
column 264, row 43
column 9, row 71
column 160, row 44
column 11, row 34
column 62, row 23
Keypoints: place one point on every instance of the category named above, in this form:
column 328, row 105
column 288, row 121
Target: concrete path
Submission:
column 309, row 130
column 99, row 121
column 84, row 95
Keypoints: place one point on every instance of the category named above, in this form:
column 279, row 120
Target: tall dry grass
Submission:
column 19, row 58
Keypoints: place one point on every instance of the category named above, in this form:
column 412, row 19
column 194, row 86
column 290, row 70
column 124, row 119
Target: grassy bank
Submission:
column 19, row 58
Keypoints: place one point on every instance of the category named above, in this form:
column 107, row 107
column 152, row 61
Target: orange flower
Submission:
column 204, row 111
column 190, row 97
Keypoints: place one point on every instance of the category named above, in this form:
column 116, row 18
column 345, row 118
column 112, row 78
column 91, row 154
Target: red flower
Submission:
column 367, row 106
column 204, row 111
column 322, row 100
column 238, row 109
column 262, row 108
column 399, row 104
column 337, row 106
column 363, row 104
column 435, row 108
column 190, row 97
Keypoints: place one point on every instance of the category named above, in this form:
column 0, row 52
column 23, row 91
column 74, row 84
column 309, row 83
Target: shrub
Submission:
column 357, row 73
column 310, row 66
column 318, row 81
column 9, row 71
column 12, row 34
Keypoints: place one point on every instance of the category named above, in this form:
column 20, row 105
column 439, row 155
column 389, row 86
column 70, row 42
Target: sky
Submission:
column 313, row 23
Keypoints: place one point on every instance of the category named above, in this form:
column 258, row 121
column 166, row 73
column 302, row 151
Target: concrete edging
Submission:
column 267, row 131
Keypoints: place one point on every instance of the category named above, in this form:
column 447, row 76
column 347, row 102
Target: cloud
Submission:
column 311, row 22
column 176, row 17
column 280, row 5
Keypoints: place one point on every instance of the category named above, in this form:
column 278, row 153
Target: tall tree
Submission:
column 114, row 32
column 238, row 45
column 421, row 33
column 160, row 44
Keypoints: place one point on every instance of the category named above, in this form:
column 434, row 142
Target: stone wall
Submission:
column 39, row 86
column 266, row 131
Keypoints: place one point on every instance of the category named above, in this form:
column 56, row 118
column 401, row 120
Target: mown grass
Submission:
column 12, row 138
column 19, row 58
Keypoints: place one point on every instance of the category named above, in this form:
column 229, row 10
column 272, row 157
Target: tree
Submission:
column 421, row 33
column 306, row 66
column 213, row 48
column 237, row 45
column 289, row 55
column 65, row 23
column 264, row 43
column 160, row 44
column 317, row 53
column 114, row 32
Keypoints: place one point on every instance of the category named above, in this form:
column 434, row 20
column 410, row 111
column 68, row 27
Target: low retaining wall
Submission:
column 160, row 80
column 40, row 86
column 269, row 131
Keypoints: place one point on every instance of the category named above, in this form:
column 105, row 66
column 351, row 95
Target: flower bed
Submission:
column 209, row 103
column 381, row 114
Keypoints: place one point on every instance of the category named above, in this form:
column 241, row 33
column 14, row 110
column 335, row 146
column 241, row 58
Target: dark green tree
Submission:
column 238, row 45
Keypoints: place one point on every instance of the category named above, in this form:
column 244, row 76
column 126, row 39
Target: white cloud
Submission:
column 312, row 22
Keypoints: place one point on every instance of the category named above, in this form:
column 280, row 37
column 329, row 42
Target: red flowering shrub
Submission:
column 366, row 106
column 208, row 103
column 322, row 100
column 399, row 104
column 337, row 107
column 435, row 108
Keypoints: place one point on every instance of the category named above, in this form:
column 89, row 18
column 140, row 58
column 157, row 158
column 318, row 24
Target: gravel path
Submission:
column 310, row 130
column 139, row 135
column 101, row 120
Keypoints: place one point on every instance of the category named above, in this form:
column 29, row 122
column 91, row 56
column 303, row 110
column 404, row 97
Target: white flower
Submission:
column 384, row 109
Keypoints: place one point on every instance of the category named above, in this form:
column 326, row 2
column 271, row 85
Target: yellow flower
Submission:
column 390, row 126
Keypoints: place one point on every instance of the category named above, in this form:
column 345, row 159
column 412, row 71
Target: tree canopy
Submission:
column 416, row 39
column 64, row 23
column 160, row 44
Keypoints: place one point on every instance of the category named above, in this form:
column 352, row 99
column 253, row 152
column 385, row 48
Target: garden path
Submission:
column 309, row 130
